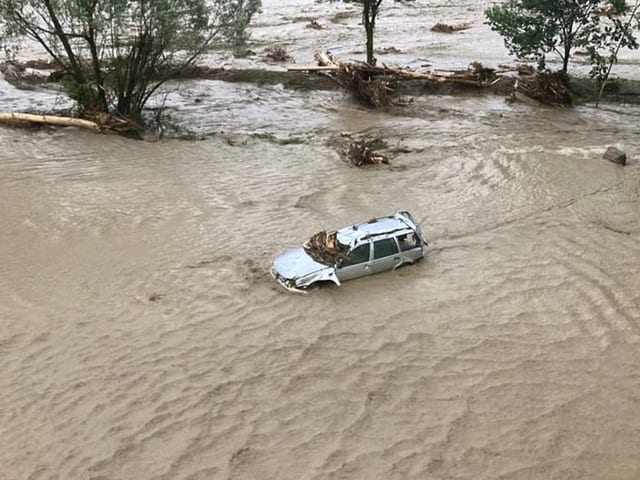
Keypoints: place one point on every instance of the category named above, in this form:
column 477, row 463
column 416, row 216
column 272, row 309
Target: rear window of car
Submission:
column 408, row 241
column 384, row 248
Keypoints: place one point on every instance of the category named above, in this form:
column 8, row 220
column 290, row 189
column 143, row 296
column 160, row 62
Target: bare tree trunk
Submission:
column 370, row 10
column 371, row 60
column 567, row 54
column 97, row 72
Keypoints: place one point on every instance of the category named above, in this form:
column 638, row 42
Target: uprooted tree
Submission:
column 115, row 54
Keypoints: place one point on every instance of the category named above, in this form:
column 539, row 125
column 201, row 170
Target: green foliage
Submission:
column 117, row 53
column 236, row 18
column 534, row 28
column 605, row 43
column 83, row 93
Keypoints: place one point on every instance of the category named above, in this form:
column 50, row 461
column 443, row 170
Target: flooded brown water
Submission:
column 142, row 337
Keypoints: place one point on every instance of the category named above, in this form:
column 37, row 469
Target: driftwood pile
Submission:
column 550, row 88
column 111, row 123
column 359, row 79
column 375, row 84
column 325, row 248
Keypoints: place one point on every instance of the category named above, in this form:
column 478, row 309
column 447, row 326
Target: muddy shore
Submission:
column 42, row 74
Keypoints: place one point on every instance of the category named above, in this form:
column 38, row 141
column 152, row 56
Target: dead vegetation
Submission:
column 375, row 92
column 549, row 88
column 364, row 148
column 375, row 86
column 364, row 152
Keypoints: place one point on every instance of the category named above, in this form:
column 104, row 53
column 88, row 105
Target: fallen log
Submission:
column 21, row 118
column 95, row 121
column 314, row 68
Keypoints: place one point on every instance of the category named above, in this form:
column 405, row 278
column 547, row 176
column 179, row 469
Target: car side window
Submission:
column 408, row 241
column 358, row 255
column 384, row 248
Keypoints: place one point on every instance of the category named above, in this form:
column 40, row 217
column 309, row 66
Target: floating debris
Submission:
column 155, row 297
column 314, row 25
column 278, row 54
column 444, row 28
column 364, row 152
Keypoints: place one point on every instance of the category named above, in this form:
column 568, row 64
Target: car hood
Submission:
column 296, row 263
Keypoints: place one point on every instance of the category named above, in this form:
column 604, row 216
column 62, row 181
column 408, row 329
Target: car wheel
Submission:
column 320, row 284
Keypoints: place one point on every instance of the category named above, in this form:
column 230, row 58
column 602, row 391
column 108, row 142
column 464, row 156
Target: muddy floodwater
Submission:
column 141, row 336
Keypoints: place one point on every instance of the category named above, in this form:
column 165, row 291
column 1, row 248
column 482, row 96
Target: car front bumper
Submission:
column 287, row 284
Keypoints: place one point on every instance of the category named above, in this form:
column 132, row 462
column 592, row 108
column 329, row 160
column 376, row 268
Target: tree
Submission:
column 534, row 28
column 236, row 19
column 370, row 10
column 115, row 54
column 617, row 34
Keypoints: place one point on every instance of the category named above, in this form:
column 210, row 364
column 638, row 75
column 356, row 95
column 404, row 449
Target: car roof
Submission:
column 374, row 227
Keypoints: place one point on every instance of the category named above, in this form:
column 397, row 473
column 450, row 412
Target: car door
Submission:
column 357, row 263
column 385, row 255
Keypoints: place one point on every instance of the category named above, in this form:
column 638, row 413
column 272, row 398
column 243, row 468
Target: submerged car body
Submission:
column 370, row 247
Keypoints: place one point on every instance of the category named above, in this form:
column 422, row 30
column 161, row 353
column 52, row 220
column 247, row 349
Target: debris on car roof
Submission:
column 325, row 248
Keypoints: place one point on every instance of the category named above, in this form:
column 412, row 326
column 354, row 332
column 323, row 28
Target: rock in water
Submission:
column 616, row 156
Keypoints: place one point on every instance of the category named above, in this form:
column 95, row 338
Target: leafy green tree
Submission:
column 115, row 54
column 606, row 43
column 535, row 28
column 236, row 18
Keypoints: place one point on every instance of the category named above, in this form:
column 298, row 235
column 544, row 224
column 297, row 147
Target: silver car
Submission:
column 370, row 247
